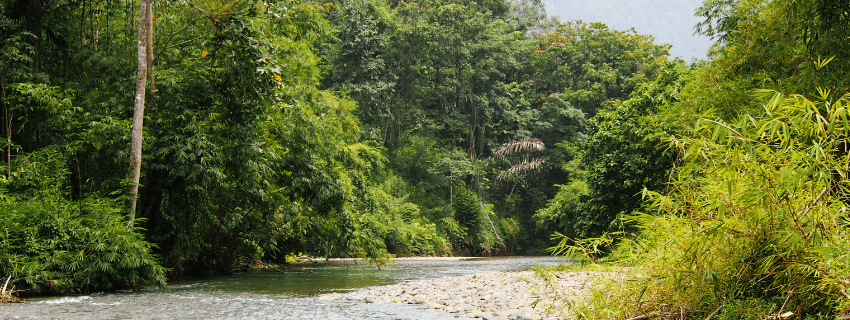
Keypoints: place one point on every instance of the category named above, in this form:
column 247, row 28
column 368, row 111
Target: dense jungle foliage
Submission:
column 372, row 128
column 362, row 128
column 750, row 221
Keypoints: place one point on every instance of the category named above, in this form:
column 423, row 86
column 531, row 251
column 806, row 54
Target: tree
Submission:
column 358, row 65
column 592, row 65
column 144, row 58
column 530, row 16
column 66, row 233
column 772, row 46
column 721, row 17
column 752, row 216
column 446, row 60
column 623, row 156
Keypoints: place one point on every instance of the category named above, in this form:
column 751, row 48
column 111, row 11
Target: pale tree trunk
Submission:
column 7, row 123
column 144, row 41
column 150, row 54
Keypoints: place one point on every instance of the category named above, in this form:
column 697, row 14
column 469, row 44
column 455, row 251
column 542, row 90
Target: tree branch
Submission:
column 207, row 14
column 171, row 36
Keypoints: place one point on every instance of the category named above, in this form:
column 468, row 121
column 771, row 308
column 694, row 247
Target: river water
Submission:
column 268, row 294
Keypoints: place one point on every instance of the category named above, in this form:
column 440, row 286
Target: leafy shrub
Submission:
column 622, row 156
column 49, row 243
column 399, row 223
column 747, row 309
column 415, row 238
column 757, row 211
column 510, row 228
column 468, row 215
column 454, row 233
column 560, row 212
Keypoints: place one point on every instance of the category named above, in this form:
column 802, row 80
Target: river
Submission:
column 268, row 294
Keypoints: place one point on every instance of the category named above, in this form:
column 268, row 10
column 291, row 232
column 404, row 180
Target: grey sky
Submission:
column 670, row 21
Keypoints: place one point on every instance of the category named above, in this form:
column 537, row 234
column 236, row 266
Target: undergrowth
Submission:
column 754, row 227
column 50, row 243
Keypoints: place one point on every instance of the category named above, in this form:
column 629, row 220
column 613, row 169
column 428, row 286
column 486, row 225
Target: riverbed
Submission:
column 292, row 293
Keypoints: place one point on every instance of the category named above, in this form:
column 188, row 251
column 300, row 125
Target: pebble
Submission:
column 488, row 295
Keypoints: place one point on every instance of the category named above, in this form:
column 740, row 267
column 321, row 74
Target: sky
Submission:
column 670, row 21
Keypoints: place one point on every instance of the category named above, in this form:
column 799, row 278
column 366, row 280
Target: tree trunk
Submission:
column 35, row 18
column 150, row 55
column 145, row 32
column 7, row 124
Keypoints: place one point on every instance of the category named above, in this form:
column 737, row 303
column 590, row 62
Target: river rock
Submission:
column 489, row 295
column 432, row 305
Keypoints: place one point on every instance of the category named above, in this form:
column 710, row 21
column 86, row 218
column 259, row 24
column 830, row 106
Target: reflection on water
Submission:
column 343, row 275
column 303, row 280
column 268, row 294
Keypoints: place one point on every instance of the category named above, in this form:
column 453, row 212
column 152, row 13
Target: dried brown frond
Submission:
column 520, row 145
column 8, row 296
column 844, row 315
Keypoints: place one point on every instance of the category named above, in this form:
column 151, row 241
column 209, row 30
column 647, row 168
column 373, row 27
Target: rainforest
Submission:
column 147, row 140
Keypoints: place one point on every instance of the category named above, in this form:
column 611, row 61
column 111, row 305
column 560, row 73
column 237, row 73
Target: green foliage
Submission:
column 351, row 128
column 771, row 45
column 245, row 157
column 592, row 65
column 400, row 223
column 215, row 193
column 721, row 17
column 748, row 309
column 753, row 221
column 573, row 73
column 50, row 243
column 441, row 84
column 510, row 229
column 622, row 157
column 582, row 250
column 756, row 212
column 530, row 16
column 468, row 213
column 561, row 210
column 357, row 60
column 517, row 152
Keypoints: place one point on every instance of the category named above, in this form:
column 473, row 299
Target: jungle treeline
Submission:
column 379, row 128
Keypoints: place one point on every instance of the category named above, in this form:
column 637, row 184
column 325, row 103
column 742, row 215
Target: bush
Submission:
column 400, row 223
column 468, row 215
column 52, row 244
column 757, row 212
column 749, row 309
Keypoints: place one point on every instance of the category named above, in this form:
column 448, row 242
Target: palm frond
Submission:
column 527, row 165
column 515, row 146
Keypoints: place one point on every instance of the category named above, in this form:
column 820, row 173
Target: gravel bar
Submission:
column 488, row 295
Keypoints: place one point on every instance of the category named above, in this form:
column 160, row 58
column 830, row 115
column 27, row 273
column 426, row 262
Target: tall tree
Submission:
column 144, row 59
column 622, row 156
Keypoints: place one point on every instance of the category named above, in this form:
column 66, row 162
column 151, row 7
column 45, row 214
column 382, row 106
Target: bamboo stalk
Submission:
column 715, row 311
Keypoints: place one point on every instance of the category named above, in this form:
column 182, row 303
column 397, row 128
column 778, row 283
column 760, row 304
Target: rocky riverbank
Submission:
column 489, row 295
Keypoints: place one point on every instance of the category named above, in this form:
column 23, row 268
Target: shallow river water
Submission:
column 267, row 294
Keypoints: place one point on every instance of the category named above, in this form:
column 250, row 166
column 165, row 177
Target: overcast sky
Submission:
column 670, row 21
